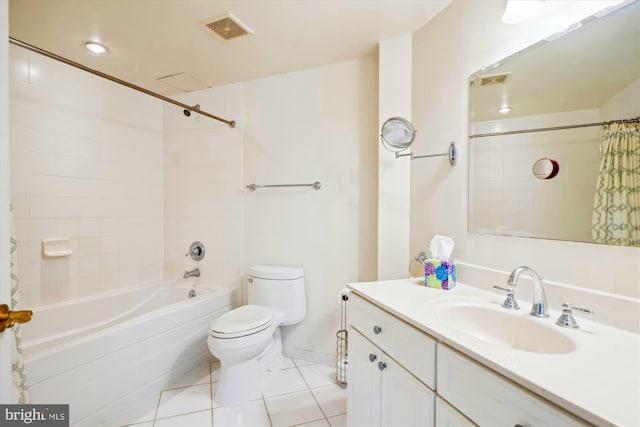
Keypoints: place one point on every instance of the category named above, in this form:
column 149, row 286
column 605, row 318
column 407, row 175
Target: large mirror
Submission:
column 553, row 153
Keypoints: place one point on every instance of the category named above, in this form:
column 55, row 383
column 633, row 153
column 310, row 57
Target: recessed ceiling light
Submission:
column 95, row 47
column 505, row 109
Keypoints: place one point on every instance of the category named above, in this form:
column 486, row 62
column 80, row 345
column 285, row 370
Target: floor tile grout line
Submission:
column 179, row 415
column 155, row 417
column 186, row 386
column 155, row 414
column 307, row 422
column 266, row 408
column 312, row 395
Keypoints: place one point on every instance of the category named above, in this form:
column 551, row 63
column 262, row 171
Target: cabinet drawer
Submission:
column 412, row 348
column 489, row 399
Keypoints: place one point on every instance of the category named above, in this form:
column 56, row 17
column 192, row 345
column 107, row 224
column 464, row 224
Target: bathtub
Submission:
column 105, row 353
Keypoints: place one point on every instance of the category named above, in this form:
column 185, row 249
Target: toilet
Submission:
column 247, row 340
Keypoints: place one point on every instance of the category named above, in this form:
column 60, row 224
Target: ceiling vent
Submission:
column 228, row 27
column 496, row 79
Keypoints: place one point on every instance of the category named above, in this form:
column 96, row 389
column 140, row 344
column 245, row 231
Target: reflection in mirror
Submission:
column 397, row 134
column 545, row 168
column 575, row 101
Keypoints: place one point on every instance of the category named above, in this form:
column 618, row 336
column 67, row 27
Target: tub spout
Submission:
column 192, row 273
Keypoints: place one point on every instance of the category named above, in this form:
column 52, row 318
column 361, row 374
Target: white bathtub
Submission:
column 104, row 353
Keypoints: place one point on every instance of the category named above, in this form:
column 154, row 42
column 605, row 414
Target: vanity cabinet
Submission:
column 448, row 416
column 383, row 390
column 490, row 399
column 383, row 393
column 394, row 369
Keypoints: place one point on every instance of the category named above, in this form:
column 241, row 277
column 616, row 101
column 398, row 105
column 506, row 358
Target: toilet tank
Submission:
column 280, row 289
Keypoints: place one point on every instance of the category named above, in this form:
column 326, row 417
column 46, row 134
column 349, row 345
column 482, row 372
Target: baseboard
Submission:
column 310, row 356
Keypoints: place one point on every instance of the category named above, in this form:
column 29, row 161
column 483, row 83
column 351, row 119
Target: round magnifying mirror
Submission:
column 397, row 134
column 545, row 168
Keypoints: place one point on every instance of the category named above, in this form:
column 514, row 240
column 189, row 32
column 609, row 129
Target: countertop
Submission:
column 599, row 381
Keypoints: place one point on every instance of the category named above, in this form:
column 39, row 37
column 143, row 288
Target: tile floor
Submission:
column 303, row 394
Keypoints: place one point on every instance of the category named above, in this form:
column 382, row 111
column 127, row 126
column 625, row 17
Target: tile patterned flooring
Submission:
column 303, row 394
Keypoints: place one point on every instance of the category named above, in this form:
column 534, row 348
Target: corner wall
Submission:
column 457, row 42
column 314, row 125
column 394, row 91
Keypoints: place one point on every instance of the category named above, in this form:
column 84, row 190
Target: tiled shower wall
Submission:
column 86, row 164
column 504, row 195
column 203, row 187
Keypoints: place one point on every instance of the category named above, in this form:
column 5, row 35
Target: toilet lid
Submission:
column 242, row 321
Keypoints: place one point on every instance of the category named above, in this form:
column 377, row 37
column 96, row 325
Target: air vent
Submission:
column 228, row 27
column 493, row 80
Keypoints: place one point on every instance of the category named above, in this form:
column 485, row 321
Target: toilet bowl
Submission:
column 247, row 340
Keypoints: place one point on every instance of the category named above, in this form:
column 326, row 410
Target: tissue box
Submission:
column 440, row 274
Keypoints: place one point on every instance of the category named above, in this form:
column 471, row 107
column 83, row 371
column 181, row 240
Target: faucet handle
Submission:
column 510, row 302
column 566, row 319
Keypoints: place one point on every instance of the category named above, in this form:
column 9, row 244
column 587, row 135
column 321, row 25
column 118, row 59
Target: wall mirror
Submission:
column 573, row 98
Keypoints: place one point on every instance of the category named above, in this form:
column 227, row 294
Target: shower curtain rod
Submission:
column 585, row 125
column 64, row 60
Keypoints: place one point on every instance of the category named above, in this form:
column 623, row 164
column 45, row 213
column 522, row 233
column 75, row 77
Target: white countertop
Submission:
column 599, row 381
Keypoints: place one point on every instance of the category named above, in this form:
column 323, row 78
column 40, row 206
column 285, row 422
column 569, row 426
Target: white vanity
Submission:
column 423, row 357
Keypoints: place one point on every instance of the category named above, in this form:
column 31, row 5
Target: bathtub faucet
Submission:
column 192, row 273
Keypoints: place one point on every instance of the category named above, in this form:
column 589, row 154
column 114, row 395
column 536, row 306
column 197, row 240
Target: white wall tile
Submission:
column 202, row 187
column 85, row 167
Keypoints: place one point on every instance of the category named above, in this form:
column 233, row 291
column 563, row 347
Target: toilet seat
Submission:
column 241, row 322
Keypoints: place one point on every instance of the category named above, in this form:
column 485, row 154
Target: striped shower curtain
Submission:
column 19, row 377
column 616, row 211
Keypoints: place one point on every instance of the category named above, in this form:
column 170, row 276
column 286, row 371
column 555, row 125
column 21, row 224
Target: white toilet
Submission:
column 247, row 339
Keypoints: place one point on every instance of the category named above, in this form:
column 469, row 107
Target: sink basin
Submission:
column 496, row 325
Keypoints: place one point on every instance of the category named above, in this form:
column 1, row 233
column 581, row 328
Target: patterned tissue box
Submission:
column 440, row 274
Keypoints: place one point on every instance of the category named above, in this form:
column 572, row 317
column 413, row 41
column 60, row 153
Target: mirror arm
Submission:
column 452, row 154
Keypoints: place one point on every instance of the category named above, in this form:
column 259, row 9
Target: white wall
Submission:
column 394, row 92
column 86, row 164
column 203, row 187
column 314, row 125
column 624, row 105
column 458, row 42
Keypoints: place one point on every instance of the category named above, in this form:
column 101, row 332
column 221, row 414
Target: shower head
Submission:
column 188, row 112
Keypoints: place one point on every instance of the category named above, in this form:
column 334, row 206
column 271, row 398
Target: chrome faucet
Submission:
column 192, row 273
column 539, row 307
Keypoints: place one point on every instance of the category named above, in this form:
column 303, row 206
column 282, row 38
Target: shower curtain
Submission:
column 19, row 377
column 616, row 212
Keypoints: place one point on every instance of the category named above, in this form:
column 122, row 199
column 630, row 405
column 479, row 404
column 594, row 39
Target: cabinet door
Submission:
column 404, row 400
column 363, row 376
column 447, row 416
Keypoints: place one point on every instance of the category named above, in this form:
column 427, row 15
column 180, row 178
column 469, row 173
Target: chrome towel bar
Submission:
column 316, row 186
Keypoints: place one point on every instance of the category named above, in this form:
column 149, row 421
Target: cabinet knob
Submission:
column 382, row 366
column 377, row 329
column 372, row 357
